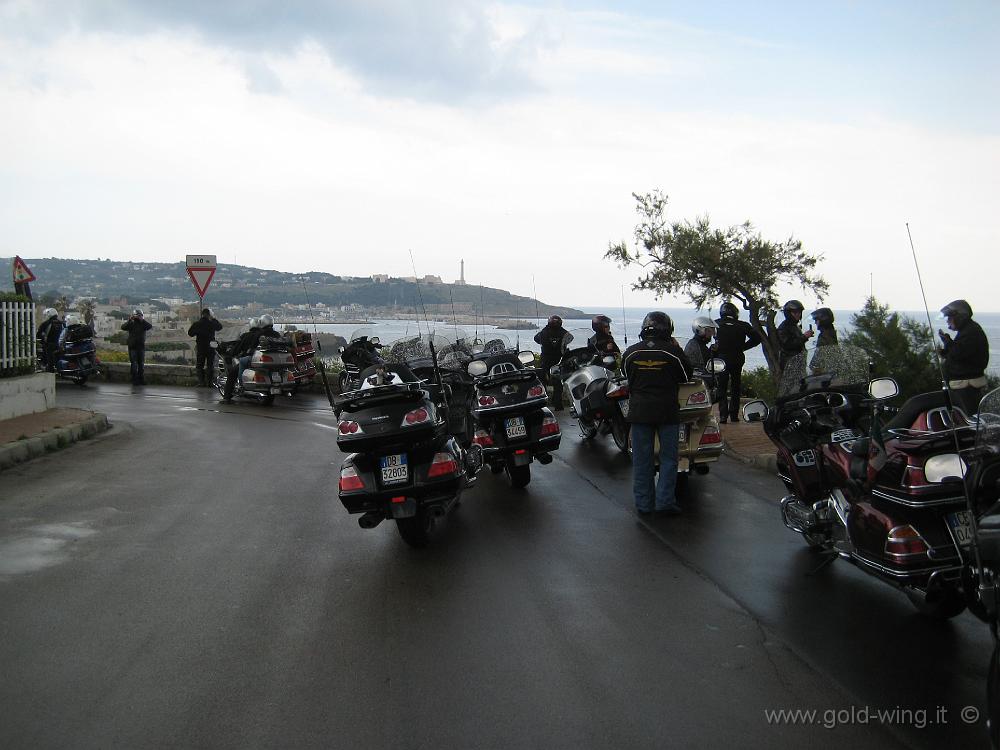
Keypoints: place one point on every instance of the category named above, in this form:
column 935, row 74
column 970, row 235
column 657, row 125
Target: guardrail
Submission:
column 17, row 338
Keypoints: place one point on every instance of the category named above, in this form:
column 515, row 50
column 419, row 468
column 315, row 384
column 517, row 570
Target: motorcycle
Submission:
column 403, row 461
column 271, row 371
column 361, row 352
column 303, row 351
column 77, row 360
column 596, row 392
column 509, row 418
column 886, row 498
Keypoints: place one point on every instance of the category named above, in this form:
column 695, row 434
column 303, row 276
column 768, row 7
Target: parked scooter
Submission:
column 510, row 420
column 361, row 352
column 271, row 371
column 596, row 391
column 403, row 461
column 77, row 360
column 889, row 499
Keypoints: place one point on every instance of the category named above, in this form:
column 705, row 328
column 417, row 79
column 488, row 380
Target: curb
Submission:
column 20, row 451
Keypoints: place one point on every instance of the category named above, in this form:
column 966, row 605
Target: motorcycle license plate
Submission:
column 682, row 433
column 961, row 527
column 623, row 405
column 275, row 391
column 515, row 427
column 275, row 377
column 395, row 469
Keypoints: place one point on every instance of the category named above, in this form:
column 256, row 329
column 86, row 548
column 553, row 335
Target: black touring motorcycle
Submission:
column 398, row 427
column 509, row 417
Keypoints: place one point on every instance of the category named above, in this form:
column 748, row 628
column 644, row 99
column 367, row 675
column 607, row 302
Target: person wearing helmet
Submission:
column 823, row 317
column 734, row 338
column 74, row 329
column 655, row 368
column 966, row 356
column 47, row 336
column 602, row 341
column 700, row 348
column 136, row 326
column 554, row 340
column 203, row 330
column 791, row 339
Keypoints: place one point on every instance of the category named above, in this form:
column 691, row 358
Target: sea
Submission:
column 625, row 324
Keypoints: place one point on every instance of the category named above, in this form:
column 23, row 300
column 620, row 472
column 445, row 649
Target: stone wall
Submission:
column 27, row 394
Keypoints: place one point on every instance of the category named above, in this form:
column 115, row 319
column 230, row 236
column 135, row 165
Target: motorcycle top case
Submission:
column 380, row 416
column 508, row 384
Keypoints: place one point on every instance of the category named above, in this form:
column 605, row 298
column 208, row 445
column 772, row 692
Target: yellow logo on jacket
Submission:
column 650, row 364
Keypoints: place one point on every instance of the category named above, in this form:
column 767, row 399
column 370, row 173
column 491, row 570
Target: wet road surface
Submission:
column 191, row 579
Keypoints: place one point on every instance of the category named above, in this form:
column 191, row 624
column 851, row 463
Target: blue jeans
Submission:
column 137, row 364
column 642, row 466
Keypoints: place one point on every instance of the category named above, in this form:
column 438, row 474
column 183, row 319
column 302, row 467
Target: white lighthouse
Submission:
column 461, row 275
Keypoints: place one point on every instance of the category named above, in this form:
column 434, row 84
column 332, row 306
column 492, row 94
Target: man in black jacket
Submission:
column 204, row 330
column 655, row 368
column 733, row 338
column 966, row 356
column 137, row 326
column 791, row 339
column 554, row 339
column 602, row 341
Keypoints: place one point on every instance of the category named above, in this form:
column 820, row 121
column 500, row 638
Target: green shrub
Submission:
column 757, row 383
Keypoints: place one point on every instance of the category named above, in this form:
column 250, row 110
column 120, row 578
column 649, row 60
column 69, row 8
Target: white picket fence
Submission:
column 17, row 336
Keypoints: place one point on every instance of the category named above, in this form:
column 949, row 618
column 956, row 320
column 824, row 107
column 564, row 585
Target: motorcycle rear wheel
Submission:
column 418, row 530
column 519, row 475
column 81, row 381
column 620, row 434
column 588, row 429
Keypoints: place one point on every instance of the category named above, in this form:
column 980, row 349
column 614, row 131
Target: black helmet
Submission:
column 555, row 320
column 960, row 309
column 599, row 321
column 823, row 316
column 793, row 305
column 657, row 323
column 729, row 310
column 206, row 313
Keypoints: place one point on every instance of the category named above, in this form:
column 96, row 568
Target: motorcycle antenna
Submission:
column 624, row 321
column 420, row 296
column 534, row 292
column 454, row 317
column 951, row 412
column 518, row 334
column 319, row 347
column 482, row 314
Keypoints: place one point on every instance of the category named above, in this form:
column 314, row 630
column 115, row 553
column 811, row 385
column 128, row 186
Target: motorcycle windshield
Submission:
column 454, row 348
column 577, row 339
column 823, row 368
column 365, row 332
column 988, row 420
column 494, row 343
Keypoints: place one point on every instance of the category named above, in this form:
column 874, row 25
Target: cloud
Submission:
column 458, row 52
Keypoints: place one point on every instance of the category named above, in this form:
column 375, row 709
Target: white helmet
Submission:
column 703, row 326
column 137, row 312
column 72, row 319
column 266, row 320
column 254, row 323
column 50, row 312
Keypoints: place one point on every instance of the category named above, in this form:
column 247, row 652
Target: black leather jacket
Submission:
column 655, row 368
column 967, row 355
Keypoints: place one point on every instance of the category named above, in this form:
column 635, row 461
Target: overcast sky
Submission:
column 338, row 136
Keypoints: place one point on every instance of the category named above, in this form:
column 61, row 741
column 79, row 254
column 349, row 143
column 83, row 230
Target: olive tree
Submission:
column 707, row 263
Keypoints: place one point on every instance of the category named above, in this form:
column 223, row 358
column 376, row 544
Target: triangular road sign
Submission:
column 22, row 274
column 201, row 278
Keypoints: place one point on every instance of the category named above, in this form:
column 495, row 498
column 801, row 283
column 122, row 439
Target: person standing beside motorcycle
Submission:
column 204, row 330
column 823, row 318
column 966, row 356
column 136, row 326
column 655, row 368
column 602, row 341
column 554, row 339
column 700, row 348
column 734, row 337
column 791, row 339
column 48, row 338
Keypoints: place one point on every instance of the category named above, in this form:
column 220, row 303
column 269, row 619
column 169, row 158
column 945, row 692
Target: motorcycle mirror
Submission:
column 608, row 360
column 477, row 367
column 755, row 411
column 340, row 349
column 374, row 340
column 554, row 370
column 946, row 467
column 883, row 388
column 526, row 358
column 716, row 365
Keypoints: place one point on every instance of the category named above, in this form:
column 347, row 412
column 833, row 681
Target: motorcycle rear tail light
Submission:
column 711, row 436
column 443, row 465
column 349, row 480
column 347, row 427
column 261, row 377
column 417, row 416
column 905, row 540
column 482, row 438
column 550, row 426
column 698, row 397
column 266, row 358
column 399, row 499
column 536, row 391
column 619, row 392
column 487, row 400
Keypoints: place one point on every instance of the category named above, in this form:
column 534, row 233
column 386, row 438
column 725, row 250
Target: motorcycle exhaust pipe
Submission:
column 370, row 520
column 544, row 458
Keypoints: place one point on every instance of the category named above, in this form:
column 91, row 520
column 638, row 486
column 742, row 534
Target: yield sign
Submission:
column 201, row 278
column 22, row 274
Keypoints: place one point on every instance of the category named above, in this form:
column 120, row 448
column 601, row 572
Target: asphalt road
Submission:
column 191, row 580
